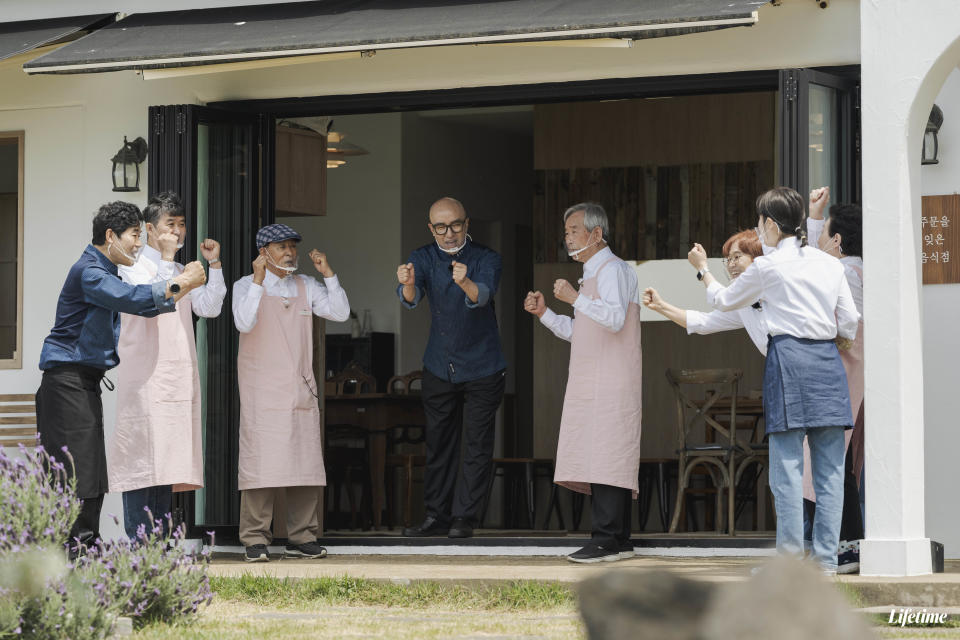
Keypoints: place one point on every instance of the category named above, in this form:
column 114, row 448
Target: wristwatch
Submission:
column 214, row 261
column 174, row 287
column 701, row 272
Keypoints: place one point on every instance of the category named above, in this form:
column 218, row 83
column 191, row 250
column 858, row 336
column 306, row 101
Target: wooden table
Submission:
column 375, row 412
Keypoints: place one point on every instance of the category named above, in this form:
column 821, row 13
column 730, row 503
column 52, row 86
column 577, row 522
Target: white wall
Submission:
column 360, row 233
column 941, row 347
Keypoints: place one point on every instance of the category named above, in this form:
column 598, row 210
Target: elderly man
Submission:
column 599, row 448
column 464, row 367
column 157, row 446
column 82, row 346
column 280, row 429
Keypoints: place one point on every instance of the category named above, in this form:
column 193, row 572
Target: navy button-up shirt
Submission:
column 464, row 340
column 88, row 313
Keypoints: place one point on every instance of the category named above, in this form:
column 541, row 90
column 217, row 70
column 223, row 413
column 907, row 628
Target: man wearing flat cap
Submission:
column 280, row 429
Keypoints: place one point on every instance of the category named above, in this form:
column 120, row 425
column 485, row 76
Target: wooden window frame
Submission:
column 17, row 361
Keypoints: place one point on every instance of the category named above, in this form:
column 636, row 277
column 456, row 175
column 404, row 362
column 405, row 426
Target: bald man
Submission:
column 463, row 367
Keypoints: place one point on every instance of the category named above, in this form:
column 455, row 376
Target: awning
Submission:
column 223, row 35
column 21, row 37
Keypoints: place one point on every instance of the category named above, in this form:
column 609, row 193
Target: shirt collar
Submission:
column 102, row 259
column 789, row 241
column 271, row 278
column 150, row 253
column 596, row 261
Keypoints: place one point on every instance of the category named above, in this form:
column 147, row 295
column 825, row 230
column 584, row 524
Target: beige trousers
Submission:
column 257, row 512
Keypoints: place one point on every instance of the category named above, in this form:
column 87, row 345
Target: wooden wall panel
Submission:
column 671, row 131
column 940, row 239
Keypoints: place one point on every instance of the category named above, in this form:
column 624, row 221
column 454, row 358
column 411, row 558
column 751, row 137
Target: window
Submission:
column 11, row 250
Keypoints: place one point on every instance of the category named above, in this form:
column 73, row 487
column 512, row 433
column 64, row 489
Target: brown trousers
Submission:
column 257, row 511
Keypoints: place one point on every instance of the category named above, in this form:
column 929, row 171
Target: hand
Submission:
column 259, row 269
column 406, row 274
column 819, row 199
column 210, row 249
column 459, row 271
column 535, row 304
column 564, row 291
column 168, row 245
column 193, row 275
column 652, row 299
column 321, row 263
column 697, row 257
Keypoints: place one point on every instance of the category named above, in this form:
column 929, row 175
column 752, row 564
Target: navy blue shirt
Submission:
column 464, row 340
column 88, row 313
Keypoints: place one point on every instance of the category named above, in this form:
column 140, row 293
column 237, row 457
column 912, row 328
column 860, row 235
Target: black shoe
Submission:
column 430, row 527
column 305, row 550
column 596, row 552
column 625, row 550
column 256, row 553
column 460, row 529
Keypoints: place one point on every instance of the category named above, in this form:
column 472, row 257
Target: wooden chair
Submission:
column 18, row 420
column 353, row 381
column 406, row 450
column 720, row 457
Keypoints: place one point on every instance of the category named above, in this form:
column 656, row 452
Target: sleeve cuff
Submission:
column 417, row 296
column 483, row 296
column 694, row 321
column 333, row 282
column 548, row 318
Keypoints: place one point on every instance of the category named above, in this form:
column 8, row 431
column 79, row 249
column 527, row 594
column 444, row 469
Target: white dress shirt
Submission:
column 328, row 299
column 748, row 318
column 206, row 301
column 814, row 228
column 804, row 293
column 616, row 287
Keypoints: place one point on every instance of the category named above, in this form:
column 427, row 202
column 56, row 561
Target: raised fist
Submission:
column 168, row 245
column 321, row 263
column 459, row 271
column 652, row 299
column 210, row 249
column 259, row 269
column 194, row 274
column 534, row 303
column 406, row 274
column 564, row 291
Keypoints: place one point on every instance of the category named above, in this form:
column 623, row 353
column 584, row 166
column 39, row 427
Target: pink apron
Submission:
column 158, row 437
column 853, row 366
column 600, row 428
column 280, row 430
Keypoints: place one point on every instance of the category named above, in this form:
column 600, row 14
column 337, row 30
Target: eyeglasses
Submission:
column 732, row 258
column 441, row 229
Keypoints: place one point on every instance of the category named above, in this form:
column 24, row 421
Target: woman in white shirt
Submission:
column 739, row 252
column 807, row 304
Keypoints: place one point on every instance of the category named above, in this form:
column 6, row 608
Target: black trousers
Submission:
column 70, row 414
column 611, row 509
column 451, row 410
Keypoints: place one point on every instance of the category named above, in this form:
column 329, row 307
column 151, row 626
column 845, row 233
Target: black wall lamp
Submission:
column 126, row 165
column 931, row 145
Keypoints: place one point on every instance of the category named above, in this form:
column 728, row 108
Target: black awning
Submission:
column 21, row 37
column 208, row 36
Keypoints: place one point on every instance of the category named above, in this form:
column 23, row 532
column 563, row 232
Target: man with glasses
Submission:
column 464, row 367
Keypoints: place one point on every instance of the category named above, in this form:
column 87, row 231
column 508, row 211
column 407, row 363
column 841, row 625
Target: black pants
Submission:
column 451, row 409
column 612, row 510
column 70, row 414
column 851, row 522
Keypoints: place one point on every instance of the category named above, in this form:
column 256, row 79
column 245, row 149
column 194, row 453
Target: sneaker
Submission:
column 848, row 558
column 430, row 527
column 305, row 550
column 626, row 550
column 256, row 553
column 595, row 552
column 460, row 529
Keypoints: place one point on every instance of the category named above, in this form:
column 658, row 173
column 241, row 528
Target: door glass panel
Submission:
column 824, row 138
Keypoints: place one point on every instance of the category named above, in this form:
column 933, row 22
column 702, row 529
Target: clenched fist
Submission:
column 534, row 303
column 819, row 199
column 321, row 263
column 168, row 245
column 697, row 257
column 652, row 299
column 406, row 274
column 564, row 291
column 210, row 249
column 459, row 271
column 259, row 269
column 194, row 274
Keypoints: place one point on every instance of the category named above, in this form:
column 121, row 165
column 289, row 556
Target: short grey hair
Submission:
column 593, row 216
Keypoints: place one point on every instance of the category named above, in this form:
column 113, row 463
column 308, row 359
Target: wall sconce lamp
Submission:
column 931, row 145
column 126, row 165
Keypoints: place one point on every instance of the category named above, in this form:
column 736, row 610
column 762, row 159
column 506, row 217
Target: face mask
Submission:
column 122, row 252
column 296, row 265
column 452, row 251
column 763, row 245
column 574, row 254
